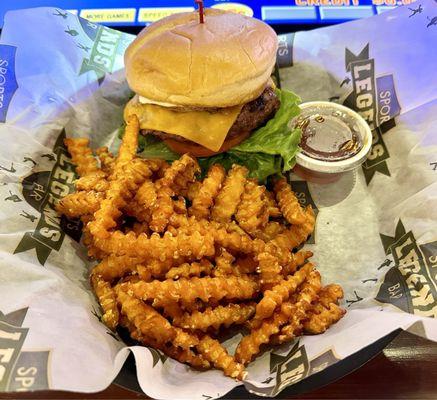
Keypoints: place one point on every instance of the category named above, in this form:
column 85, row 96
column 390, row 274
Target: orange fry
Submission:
column 270, row 231
column 106, row 159
column 215, row 353
column 269, row 269
column 203, row 200
column 129, row 145
column 180, row 173
column 288, row 203
column 113, row 267
column 162, row 209
column 281, row 292
column 272, row 206
column 187, row 291
column 231, row 314
column 295, row 235
column 147, row 320
column 228, row 198
column 252, row 212
column 82, row 156
column 326, row 311
column 95, row 181
column 186, row 270
column 107, row 299
column 78, row 204
column 297, row 260
column 249, row 346
column 223, row 263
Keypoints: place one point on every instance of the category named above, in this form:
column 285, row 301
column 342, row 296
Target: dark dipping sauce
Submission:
column 328, row 134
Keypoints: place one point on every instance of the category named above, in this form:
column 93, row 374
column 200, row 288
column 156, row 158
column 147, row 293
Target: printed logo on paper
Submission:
column 374, row 98
column 291, row 368
column 42, row 190
column 102, row 55
column 20, row 371
column 411, row 283
column 284, row 55
column 8, row 82
column 99, row 44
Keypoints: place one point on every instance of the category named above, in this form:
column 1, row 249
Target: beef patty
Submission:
column 253, row 115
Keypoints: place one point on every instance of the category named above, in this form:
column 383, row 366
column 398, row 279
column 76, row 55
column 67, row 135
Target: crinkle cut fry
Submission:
column 93, row 251
column 281, row 292
column 154, row 329
column 215, row 353
column 270, row 231
column 269, row 269
column 326, row 311
column 224, row 263
column 96, row 182
column 272, row 206
column 107, row 299
column 203, row 200
column 193, row 246
column 177, row 176
column 183, row 355
column 180, row 206
column 229, row 197
column 320, row 317
column 231, row 314
column 191, row 191
column 288, row 203
column 106, row 159
column 145, row 318
column 113, row 267
column 186, row 175
column 249, row 346
column 295, row 235
column 186, row 291
column 245, row 265
column 297, row 260
column 82, row 156
column 186, row 270
column 129, row 145
column 222, row 234
column 78, row 204
column 142, row 204
column 163, row 209
column 124, row 180
column 252, row 212
column 119, row 193
column 180, row 173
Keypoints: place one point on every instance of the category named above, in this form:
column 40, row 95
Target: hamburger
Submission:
column 204, row 88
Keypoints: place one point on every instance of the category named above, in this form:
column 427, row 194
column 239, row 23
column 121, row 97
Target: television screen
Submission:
column 138, row 13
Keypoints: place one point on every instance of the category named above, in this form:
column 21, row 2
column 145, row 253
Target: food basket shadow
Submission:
column 127, row 377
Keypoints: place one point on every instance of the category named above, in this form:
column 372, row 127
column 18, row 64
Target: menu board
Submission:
column 134, row 12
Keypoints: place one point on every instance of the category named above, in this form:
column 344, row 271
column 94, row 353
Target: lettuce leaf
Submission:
column 270, row 149
column 152, row 147
column 276, row 138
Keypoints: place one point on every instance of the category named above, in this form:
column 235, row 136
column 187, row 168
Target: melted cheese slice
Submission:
column 208, row 129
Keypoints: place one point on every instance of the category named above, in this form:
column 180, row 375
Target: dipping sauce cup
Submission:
column 335, row 139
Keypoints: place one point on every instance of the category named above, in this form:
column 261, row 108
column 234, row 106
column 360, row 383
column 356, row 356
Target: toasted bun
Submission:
column 224, row 62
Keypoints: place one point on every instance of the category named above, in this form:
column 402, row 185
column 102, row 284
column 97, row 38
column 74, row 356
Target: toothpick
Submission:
column 200, row 9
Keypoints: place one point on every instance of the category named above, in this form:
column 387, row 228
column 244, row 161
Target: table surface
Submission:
column 406, row 369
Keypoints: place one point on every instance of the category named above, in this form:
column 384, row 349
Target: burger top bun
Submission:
column 223, row 62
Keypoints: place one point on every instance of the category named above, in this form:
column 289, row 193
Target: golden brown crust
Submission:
column 241, row 55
